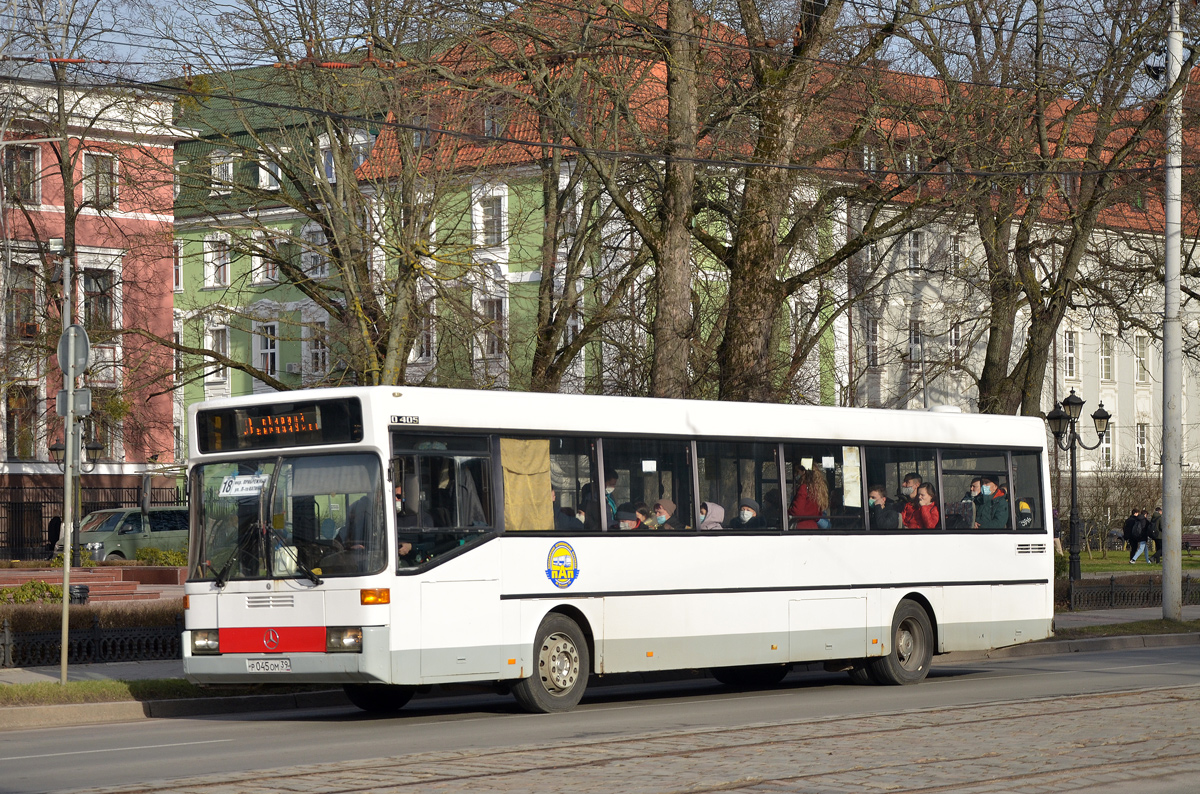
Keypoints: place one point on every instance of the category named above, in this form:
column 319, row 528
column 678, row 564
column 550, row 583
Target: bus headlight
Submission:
column 205, row 641
column 343, row 639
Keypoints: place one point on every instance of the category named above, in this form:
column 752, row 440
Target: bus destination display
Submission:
column 293, row 424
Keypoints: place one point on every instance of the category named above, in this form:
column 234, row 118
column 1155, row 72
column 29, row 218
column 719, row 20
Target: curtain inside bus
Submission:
column 528, row 499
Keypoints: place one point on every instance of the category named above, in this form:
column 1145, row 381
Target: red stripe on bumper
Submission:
column 280, row 639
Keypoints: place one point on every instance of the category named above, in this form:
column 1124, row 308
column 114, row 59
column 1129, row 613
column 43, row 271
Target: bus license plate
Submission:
column 268, row 665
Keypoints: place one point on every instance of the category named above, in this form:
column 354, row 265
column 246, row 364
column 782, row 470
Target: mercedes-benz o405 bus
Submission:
column 391, row 538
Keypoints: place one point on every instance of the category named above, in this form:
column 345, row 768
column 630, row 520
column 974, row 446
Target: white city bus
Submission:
column 391, row 538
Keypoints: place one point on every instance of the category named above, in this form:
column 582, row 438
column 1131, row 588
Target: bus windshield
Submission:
column 288, row 517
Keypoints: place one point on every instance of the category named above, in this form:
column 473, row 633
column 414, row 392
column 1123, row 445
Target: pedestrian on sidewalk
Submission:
column 1127, row 532
column 1154, row 533
column 1138, row 536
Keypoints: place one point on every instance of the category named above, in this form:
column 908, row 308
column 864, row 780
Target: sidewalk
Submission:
column 1104, row 617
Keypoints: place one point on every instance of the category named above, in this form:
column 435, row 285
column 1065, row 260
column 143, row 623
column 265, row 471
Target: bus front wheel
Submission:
column 908, row 660
column 561, row 666
column 379, row 698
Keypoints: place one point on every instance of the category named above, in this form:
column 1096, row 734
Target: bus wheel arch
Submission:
column 925, row 604
column 561, row 666
column 911, row 645
column 580, row 619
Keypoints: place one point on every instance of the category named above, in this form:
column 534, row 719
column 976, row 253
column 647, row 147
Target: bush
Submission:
column 1062, row 566
column 112, row 614
column 32, row 592
column 175, row 559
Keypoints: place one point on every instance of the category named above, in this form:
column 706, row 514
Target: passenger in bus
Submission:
column 627, row 519
column 972, row 494
column 747, row 516
column 772, row 508
column 712, row 516
column 922, row 512
column 645, row 515
column 664, row 515
column 884, row 514
column 406, row 516
column 564, row 517
column 992, row 509
column 592, row 502
column 908, row 489
column 811, row 503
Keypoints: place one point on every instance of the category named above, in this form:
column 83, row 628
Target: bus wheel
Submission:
column 379, row 698
column 562, row 666
column 912, row 647
column 754, row 676
column 860, row 673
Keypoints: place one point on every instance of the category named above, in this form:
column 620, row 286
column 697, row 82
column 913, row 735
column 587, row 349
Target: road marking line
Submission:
column 113, row 749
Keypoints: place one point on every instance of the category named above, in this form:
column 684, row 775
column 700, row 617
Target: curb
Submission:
column 34, row 717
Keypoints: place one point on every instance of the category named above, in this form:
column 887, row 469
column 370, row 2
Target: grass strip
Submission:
column 50, row 693
column 1159, row 626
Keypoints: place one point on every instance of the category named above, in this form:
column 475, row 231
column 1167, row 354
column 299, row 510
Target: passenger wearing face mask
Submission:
column 884, row 514
column 908, row 489
column 747, row 515
column 991, row 512
column 627, row 519
column 664, row 515
column 712, row 516
column 592, row 502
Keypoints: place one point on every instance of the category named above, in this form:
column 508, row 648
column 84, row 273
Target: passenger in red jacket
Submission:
column 923, row 513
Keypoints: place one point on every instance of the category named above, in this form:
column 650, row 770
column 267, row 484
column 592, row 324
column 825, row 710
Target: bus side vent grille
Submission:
column 269, row 601
column 1031, row 548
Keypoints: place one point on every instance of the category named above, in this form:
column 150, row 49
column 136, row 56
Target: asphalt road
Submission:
column 1018, row 699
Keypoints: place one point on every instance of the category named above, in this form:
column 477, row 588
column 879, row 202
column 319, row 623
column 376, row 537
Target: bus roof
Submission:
column 507, row 411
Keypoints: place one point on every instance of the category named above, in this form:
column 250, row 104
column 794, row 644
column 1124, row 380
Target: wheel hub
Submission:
column 905, row 645
column 559, row 663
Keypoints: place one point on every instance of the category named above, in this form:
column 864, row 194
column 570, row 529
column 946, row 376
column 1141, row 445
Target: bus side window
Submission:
column 652, row 471
column 732, row 472
column 964, row 475
column 890, row 468
column 832, row 479
column 1027, row 490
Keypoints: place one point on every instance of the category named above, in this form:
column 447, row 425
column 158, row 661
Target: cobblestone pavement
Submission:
column 1079, row 743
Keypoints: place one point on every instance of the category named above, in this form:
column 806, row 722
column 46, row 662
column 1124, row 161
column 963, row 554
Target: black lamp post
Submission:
column 1064, row 424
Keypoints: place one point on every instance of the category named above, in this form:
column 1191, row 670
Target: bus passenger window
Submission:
column 900, row 472
column 1027, row 490
column 650, row 472
column 824, row 486
column 732, row 473
column 976, row 489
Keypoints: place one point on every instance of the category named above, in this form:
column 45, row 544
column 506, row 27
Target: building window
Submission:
column 267, row 339
column 21, row 174
column 268, row 172
column 314, row 261
column 1106, row 357
column 216, row 260
column 1070, row 345
column 98, row 300
column 21, row 422
column 318, row 348
column 99, row 180
column 264, row 262
column 958, row 256
column 1143, row 437
column 421, row 135
column 102, row 427
column 872, row 339
column 491, row 211
column 425, row 334
column 1142, row 351
column 1107, row 455
column 956, row 343
column 493, row 315
column 177, row 337
column 220, row 172
column 1069, row 184
column 915, row 254
column 916, row 344
column 21, row 316
column 494, row 124
column 870, row 159
column 218, row 344
column 177, row 267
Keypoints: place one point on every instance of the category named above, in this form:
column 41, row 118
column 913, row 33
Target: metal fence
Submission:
column 1099, row 594
column 87, row 646
column 30, row 516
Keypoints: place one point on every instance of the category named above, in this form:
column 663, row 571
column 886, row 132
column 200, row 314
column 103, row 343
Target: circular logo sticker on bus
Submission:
column 562, row 567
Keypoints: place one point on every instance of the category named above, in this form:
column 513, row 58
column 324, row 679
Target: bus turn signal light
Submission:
column 377, row 595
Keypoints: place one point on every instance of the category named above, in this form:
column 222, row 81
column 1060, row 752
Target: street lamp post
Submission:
column 1064, row 424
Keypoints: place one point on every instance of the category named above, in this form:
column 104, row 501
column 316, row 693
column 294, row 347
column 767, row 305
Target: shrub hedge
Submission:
column 112, row 614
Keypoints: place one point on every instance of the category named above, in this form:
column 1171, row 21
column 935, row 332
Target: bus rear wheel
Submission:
column 379, row 698
column 911, row 654
column 753, row 676
column 561, row 667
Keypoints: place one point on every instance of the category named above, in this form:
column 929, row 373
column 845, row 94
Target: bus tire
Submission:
column 752, row 676
column 561, row 667
column 860, row 673
column 379, row 698
column 911, row 654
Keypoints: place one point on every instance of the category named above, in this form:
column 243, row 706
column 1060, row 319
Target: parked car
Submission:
column 118, row 533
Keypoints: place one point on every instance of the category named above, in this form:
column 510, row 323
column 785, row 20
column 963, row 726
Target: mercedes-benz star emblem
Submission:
column 271, row 639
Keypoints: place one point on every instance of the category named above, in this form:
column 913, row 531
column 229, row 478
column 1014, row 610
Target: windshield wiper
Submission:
column 301, row 567
column 227, row 568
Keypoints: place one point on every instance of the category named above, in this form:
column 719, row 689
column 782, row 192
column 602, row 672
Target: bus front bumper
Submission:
column 371, row 666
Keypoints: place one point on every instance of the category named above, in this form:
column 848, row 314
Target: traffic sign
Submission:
column 83, row 402
column 83, row 350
